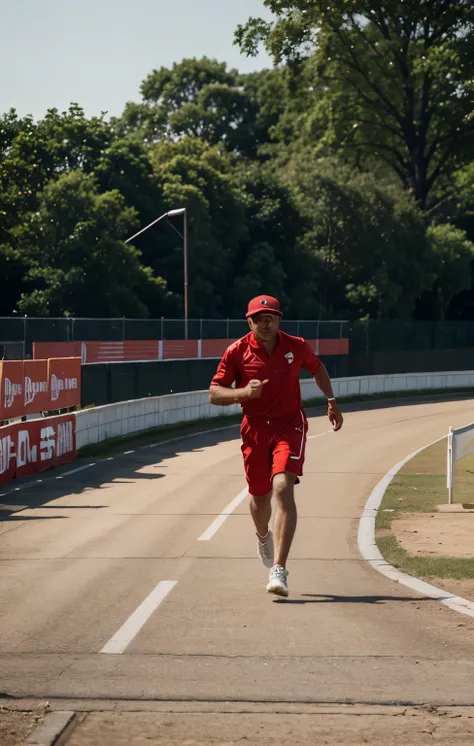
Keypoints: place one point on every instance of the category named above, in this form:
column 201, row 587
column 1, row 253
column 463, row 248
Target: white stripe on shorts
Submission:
column 303, row 434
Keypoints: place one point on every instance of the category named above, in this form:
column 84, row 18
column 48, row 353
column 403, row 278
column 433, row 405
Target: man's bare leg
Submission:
column 285, row 517
column 261, row 510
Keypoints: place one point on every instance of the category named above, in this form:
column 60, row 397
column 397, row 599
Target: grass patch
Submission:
column 417, row 488
column 439, row 567
column 411, row 493
column 416, row 493
column 420, row 487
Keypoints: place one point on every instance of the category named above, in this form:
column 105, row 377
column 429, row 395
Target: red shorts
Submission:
column 271, row 447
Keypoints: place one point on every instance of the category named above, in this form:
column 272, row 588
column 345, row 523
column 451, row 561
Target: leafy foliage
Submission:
column 398, row 78
column 341, row 180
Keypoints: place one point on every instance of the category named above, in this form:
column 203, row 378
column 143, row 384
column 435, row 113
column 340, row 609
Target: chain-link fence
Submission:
column 18, row 334
column 390, row 336
column 27, row 330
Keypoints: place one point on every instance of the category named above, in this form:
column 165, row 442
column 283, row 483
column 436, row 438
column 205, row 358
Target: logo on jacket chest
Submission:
column 290, row 357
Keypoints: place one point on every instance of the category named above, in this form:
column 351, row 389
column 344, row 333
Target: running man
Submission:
column 264, row 366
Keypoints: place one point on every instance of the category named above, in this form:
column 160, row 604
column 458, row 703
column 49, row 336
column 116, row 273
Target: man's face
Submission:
column 265, row 326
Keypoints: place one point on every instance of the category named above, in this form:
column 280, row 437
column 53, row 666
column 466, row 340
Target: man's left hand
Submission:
column 335, row 416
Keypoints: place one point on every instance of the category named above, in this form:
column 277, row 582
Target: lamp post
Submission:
column 172, row 214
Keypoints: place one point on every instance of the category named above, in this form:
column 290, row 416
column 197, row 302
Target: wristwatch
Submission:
column 332, row 398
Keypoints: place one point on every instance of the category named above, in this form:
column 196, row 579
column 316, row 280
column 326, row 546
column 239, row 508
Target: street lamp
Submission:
column 172, row 214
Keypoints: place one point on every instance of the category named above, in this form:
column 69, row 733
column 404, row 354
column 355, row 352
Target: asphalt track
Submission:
column 119, row 591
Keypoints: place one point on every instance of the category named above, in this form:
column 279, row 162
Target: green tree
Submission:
column 192, row 174
column 12, row 273
column 21, row 169
column 272, row 257
column 35, row 153
column 195, row 98
column 452, row 256
column 397, row 79
column 368, row 238
column 77, row 262
column 19, row 179
column 262, row 272
column 126, row 167
column 203, row 99
column 32, row 154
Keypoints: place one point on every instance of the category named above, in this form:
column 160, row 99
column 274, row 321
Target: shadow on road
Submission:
column 324, row 598
column 38, row 491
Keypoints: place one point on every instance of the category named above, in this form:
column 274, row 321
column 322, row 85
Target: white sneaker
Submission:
column 265, row 550
column 278, row 582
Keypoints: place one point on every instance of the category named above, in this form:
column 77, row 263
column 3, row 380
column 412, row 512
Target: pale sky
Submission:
column 97, row 52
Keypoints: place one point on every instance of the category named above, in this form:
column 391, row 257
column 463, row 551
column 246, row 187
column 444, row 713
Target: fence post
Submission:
column 109, row 383
column 200, row 328
column 227, row 329
column 24, row 336
column 162, row 327
column 123, row 328
column 449, row 468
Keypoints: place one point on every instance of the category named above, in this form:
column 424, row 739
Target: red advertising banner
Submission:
column 31, row 447
column 64, row 378
column 215, row 347
column 127, row 351
column 99, row 352
column 45, row 350
column 330, row 346
column 174, row 349
column 11, row 389
column 8, row 444
column 36, row 387
column 133, row 350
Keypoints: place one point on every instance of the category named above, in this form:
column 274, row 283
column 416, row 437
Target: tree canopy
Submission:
column 341, row 180
column 394, row 79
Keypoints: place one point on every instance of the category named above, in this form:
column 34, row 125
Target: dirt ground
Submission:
column 436, row 534
column 391, row 727
column 440, row 535
column 463, row 587
column 16, row 725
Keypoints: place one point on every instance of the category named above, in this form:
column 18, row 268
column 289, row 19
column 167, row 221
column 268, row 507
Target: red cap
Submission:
column 264, row 304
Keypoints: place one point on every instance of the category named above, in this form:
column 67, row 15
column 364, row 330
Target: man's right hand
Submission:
column 254, row 389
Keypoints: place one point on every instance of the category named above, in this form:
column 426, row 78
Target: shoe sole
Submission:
column 278, row 591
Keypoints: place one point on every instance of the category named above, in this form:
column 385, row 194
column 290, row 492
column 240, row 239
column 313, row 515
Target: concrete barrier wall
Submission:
column 399, row 382
column 115, row 420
